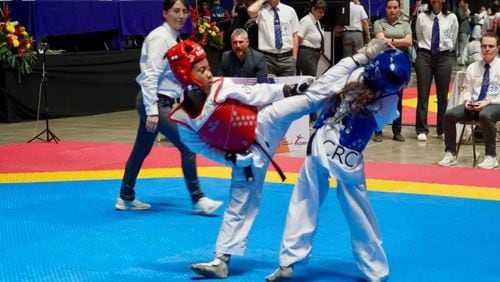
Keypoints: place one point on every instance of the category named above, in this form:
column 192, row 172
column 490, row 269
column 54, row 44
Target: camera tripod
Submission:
column 49, row 135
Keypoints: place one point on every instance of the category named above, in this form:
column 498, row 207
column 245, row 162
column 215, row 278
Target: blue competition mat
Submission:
column 69, row 231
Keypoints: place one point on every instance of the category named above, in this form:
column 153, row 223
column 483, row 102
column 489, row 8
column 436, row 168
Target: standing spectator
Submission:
column 437, row 31
column 205, row 10
column 222, row 19
column 219, row 15
column 472, row 52
column 158, row 93
column 311, row 39
column 242, row 60
column 239, row 14
column 396, row 33
column 463, row 15
column 479, row 19
column 357, row 33
column 278, row 40
column 417, row 8
column 481, row 102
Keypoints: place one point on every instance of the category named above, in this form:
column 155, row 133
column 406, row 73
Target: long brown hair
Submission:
column 359, row 94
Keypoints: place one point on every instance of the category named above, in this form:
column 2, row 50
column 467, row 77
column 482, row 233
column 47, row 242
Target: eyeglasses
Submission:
column 488, row 46
column 178, row 11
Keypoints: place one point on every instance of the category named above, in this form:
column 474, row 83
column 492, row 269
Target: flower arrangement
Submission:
column 16, row 44
column 206, row 33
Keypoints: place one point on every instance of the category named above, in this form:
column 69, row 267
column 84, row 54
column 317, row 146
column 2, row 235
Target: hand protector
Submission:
column 240, row 160
column 297, row 88
column 373, row 48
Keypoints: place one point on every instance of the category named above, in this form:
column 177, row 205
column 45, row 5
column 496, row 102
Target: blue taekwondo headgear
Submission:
column 388, row 72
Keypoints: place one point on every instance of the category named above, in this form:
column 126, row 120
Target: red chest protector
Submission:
column 231, row 126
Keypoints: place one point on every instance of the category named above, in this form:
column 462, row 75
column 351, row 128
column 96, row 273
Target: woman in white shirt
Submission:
column 311, row 39
column 434, row 61
column 159, row 90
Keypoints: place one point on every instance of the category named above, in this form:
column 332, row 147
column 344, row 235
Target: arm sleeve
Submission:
column 154, row 66
column 377, row 27
column 418, row 28
column 198, row 146
column 302, row 28
column 334, row 79
column 468, row 84
column 454, row 29
column 258, row 95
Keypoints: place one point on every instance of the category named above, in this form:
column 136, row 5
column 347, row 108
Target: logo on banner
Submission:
column 300, row 140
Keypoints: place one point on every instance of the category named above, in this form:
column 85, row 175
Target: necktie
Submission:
column 178, row 39
column 485, row 84
column 435, row 37
column 322, row 46
column 278, row 41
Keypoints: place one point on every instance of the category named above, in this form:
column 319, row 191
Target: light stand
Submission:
column 49, row 135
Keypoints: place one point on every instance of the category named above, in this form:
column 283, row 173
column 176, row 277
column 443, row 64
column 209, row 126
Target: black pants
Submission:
column 427, row 67
column 487, row 118
column 144, row 142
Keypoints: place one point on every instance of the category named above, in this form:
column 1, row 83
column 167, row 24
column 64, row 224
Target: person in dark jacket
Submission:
column 242, row 60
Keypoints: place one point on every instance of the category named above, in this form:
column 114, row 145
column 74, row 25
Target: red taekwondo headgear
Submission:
column 181, row 57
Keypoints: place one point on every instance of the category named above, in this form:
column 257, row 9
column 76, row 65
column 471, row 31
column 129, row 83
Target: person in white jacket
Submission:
column 241, row 126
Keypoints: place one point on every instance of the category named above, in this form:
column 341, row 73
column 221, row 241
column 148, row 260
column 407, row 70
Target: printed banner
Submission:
column 297, row 136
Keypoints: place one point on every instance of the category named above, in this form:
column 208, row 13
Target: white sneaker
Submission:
column 206, row 205
column 489, row 162
column 422, row 137
column 134, row 205
column 214, row 269
column 448, row 160
column 281, row 273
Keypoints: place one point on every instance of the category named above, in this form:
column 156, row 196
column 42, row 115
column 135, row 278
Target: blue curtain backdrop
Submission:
column 374, row 8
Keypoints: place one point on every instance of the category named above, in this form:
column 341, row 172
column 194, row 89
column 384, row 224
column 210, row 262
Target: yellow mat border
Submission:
column 379, row 185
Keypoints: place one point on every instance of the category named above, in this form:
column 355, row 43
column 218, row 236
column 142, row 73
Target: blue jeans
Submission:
column 144, row 142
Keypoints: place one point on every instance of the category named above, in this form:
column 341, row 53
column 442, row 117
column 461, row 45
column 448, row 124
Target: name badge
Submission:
column 493, row 90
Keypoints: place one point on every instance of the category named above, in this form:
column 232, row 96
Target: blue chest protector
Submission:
column 357, row 129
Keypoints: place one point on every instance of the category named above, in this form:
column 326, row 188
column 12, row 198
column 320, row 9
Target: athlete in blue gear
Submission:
column 343, row 130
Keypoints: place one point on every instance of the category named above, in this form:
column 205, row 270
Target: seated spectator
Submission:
column 481, row 102
column 242, row 60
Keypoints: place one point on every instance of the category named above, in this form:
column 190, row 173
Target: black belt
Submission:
column 275, row 164
column 310, row 48
column 347, row 30
column 278, row 55
column 429, row 51
column 165, row 101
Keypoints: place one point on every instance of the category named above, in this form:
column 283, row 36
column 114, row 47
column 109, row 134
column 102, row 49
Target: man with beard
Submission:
column 242, row 60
